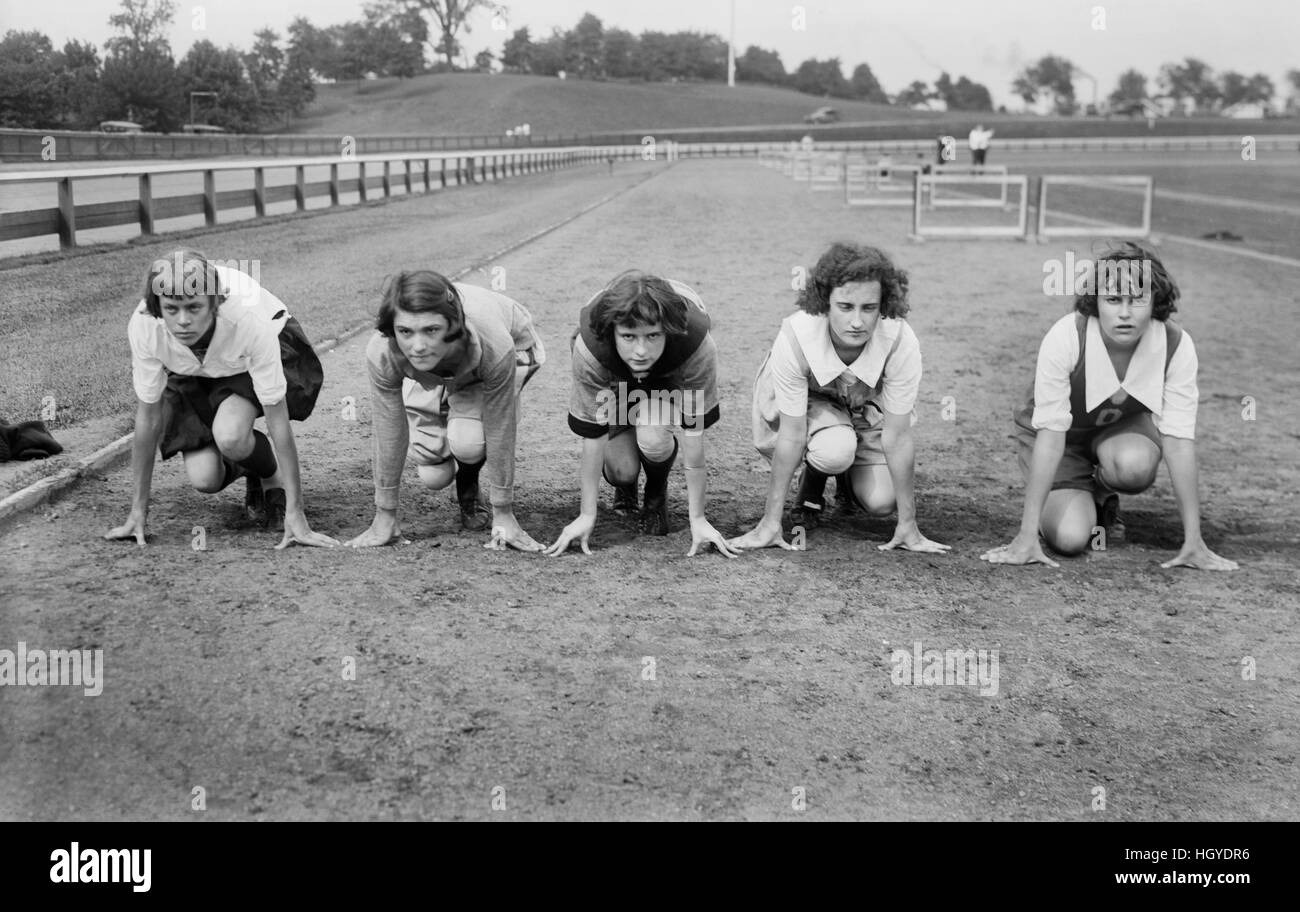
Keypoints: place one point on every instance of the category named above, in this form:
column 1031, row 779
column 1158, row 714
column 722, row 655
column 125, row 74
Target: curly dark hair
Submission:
column 637, row 297
column 1164, row 290
column 421, row 291
column 847, row 262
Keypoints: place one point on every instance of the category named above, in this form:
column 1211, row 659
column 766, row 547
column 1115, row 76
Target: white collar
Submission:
column 1145, row 378
column 814, row 335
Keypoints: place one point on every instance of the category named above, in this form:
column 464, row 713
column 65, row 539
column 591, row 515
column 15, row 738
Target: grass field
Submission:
column 474, row 103
column 479, row 670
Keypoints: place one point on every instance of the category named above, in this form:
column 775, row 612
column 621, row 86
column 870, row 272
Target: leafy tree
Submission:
column 483, row 61
column 207, row 68
column 517, row 54
column 139, row 75
column 864, row 85
column 29, row 94
column 451, row 18
column 548, row 54
column 821, row 77
column 620, row 54
column 1131, row 89
column 759, row 65
column 584, row 48
column 916, row 93
column 1192, row 79
column 1051, row 75
column 78, row 85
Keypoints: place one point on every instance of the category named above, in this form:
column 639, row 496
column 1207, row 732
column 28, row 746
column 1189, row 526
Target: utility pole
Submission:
column 731, row 49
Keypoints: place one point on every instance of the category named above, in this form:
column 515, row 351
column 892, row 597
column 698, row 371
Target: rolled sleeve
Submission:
column 264, row 364
column 591, row 399
column 789, row 379
column 699, row 379
column 1178, row 408
column 388, row 422
column 148, row 375
column 500, row 420
column 1056, row 359
column 902, row 381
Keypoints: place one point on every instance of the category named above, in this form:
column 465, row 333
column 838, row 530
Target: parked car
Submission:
column 202, row 128
column 120, row 126
column 822, row 115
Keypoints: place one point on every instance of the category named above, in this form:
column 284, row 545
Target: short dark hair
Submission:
column 637, row 297
column 421, row 291
column 1164, row 290
column 847, row 262
column 182, row 273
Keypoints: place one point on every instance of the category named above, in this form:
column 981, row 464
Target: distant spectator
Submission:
column 980, row 140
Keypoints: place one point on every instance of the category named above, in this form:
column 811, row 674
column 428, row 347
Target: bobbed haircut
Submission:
column 634, row 297
column 846, row 262
column 421, row 291
column 183, row 273
column 1135, row 257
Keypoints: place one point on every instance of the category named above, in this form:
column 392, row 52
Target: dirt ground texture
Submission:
column 487, row 678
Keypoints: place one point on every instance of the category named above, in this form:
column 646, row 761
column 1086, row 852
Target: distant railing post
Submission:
column 408, row 177
column 300, row 188
column 334, row 184
column 361, row 180
column 67, row 215
column 425, row 169
column 388, row 182
column 442, row 172
column 259, row 192
column 146, row 204
column 209, row 198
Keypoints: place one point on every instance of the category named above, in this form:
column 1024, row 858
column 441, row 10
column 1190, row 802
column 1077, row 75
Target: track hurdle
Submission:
column 801, row 166
column 826, row 171
column 868, row 183
column 966, row 199
column 1087, row 227
column 925, row 183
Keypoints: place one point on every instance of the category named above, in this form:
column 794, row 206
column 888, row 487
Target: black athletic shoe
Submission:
column 654, row 516
column 474, row 516
column 255, row 500
column 275, row 506
column 1108, row 519
column 625, row 499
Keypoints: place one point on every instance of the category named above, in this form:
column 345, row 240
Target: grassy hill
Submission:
column 460, row 103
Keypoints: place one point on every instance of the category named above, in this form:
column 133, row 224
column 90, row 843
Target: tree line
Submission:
column 138, row 79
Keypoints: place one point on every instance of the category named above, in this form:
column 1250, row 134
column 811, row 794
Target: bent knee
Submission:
column 831, row 449
column 1129, row 469
column 436, row 476
column 465, row 438
column 1069, row 539
column 655, row 443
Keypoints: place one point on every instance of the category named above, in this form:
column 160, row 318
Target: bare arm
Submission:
column 144, row 449
column 1180, row 456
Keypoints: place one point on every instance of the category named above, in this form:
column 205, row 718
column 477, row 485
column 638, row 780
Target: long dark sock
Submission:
column 261, row 462
column 656, row 475
column 812, row 487
column 467, row 479
column 233, row 472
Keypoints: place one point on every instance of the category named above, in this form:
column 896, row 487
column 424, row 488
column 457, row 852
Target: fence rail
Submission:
column 1172, row 135
column 412, row 171
column 451, row 169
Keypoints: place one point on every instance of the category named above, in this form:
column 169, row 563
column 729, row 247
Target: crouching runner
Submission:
column 447, row 363
column 211, row 351
column 1115, row 390
column 644, row 363
column 836, row 394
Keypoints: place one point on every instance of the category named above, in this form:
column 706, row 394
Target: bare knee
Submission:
column 465, row 438
column 1068, row 537
column 233, row 441
column 1130, row 466
column 436, row 476
column 655, row 442
column 831, row 449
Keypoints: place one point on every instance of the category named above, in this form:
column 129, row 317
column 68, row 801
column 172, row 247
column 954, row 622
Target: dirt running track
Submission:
column 482, row 674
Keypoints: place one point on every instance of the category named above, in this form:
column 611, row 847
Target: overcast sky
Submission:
column 902, row 40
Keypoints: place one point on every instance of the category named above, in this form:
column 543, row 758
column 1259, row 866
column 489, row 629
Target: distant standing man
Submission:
column 980, row 140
